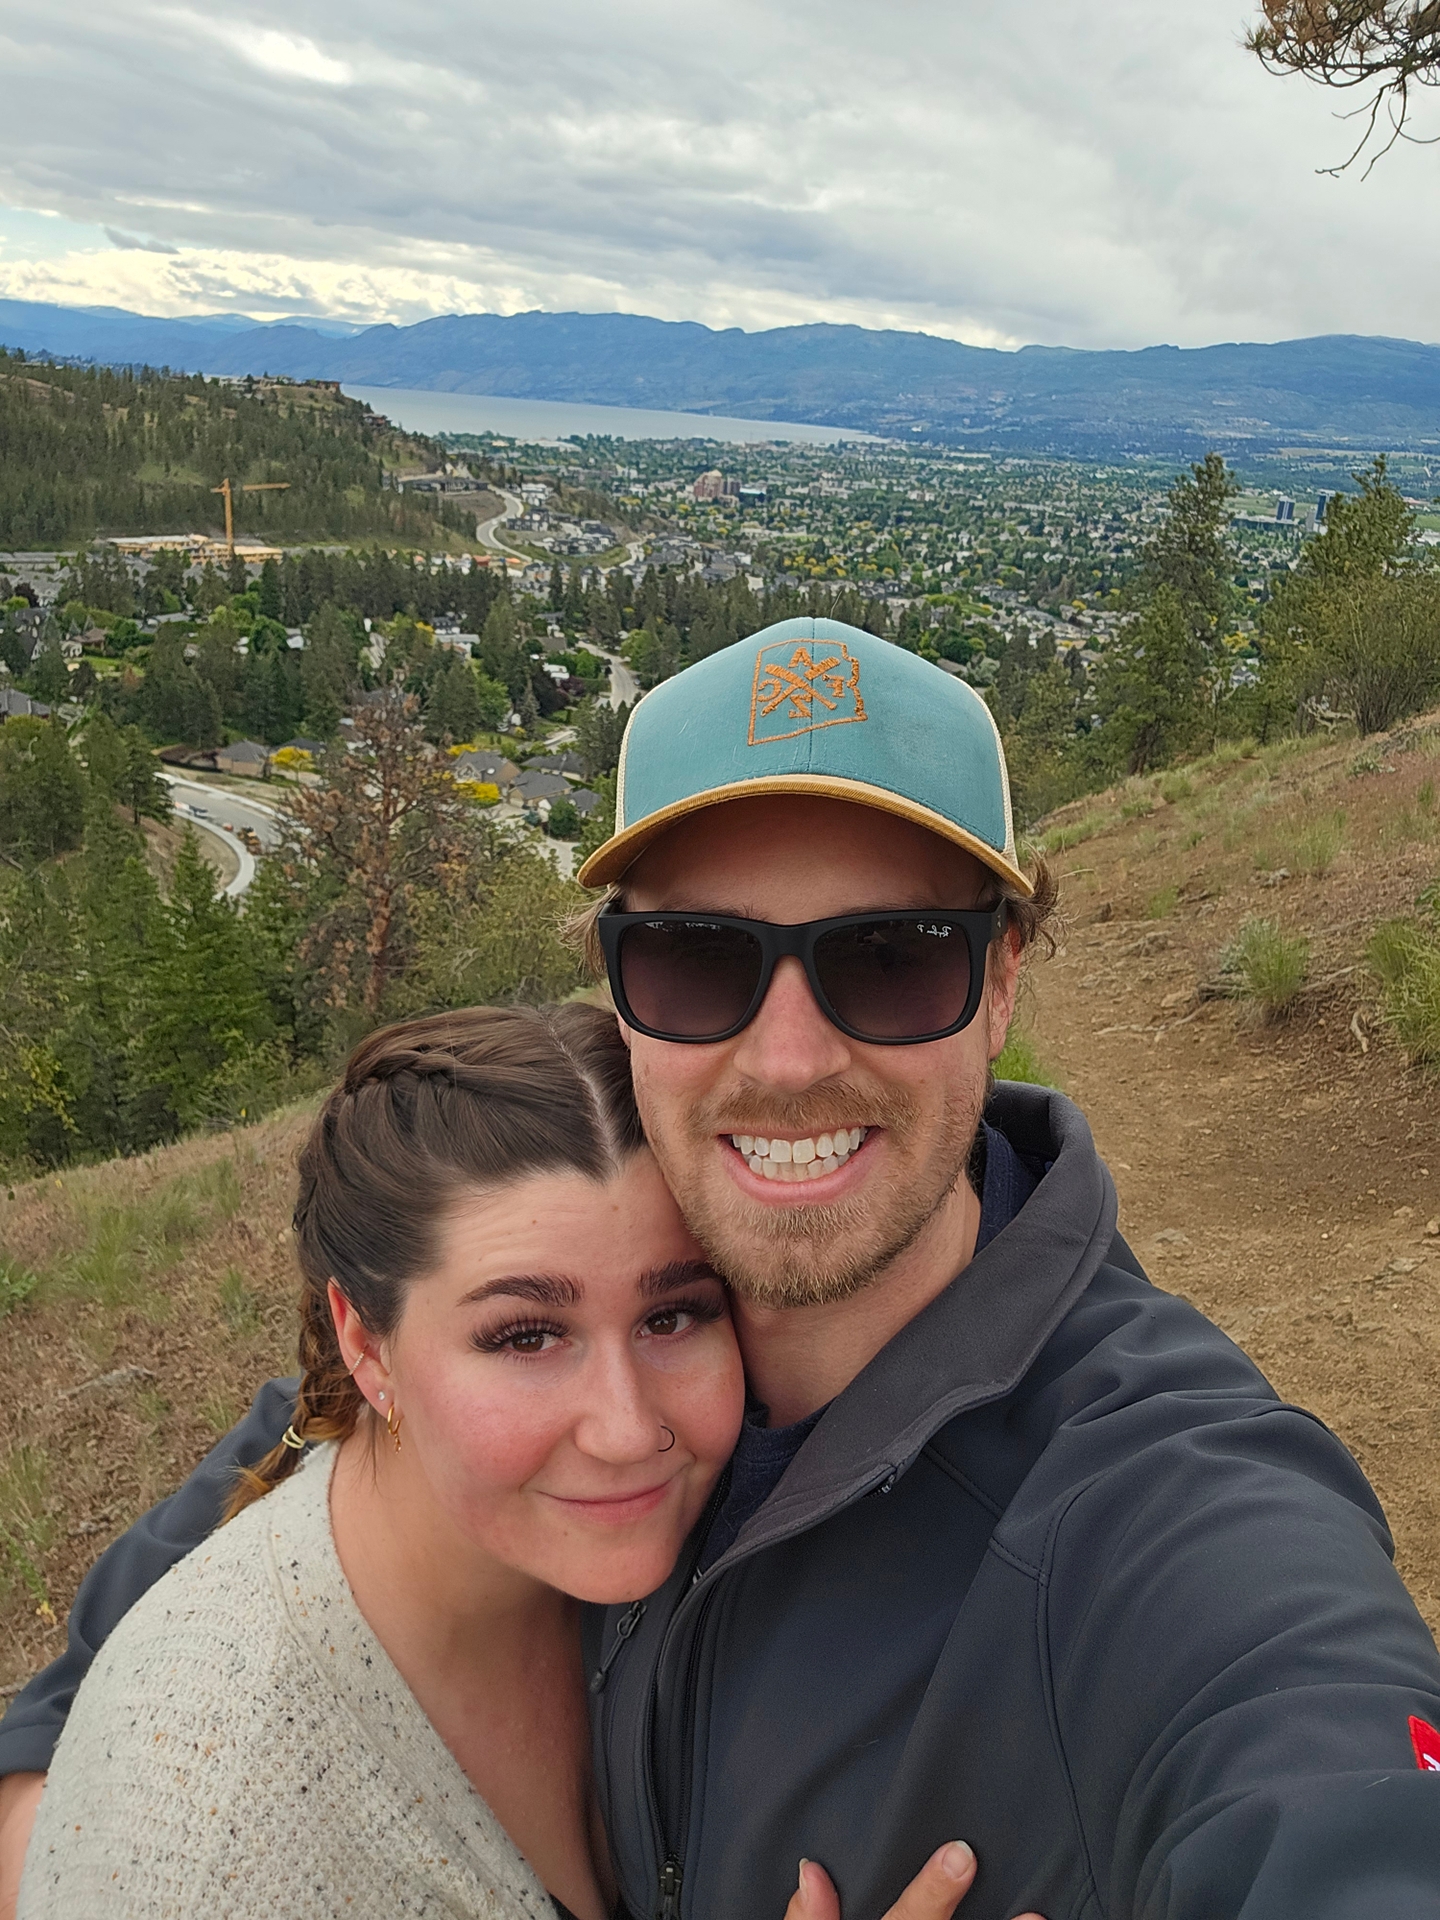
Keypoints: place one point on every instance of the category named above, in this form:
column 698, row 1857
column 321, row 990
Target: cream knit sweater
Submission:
column 243, row 1749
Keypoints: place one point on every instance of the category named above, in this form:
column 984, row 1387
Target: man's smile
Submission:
column 791, row 1159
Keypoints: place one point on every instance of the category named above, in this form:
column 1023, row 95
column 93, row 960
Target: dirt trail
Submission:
column 1281, row 1178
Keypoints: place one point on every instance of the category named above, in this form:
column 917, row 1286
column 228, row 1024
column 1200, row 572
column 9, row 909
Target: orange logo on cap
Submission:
column 814, row 686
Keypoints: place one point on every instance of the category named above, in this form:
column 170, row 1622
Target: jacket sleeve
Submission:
column 129, row 1567
column 1234, row 1664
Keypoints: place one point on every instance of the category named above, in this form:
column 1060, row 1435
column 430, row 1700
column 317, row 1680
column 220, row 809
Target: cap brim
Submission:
column 609, row 862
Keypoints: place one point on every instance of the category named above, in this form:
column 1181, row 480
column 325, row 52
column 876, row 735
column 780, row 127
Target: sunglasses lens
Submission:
column 689, row 978
column 895, row 979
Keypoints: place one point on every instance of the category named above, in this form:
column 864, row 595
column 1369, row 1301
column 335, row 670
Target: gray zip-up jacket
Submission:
column 1057, row 1574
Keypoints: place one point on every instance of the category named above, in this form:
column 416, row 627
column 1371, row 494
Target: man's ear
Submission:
column 1001, row 986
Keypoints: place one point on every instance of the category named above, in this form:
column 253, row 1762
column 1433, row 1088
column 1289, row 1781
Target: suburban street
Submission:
column 210, row 809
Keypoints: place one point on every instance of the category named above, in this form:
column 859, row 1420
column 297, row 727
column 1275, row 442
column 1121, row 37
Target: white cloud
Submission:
column 997, row 175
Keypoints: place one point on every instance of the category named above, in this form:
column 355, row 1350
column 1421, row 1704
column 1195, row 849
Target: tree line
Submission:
column 131, row 1012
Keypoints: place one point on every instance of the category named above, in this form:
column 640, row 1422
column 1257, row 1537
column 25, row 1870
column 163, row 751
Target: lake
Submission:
column 422, row 411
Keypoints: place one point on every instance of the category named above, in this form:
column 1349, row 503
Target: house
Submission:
column 245, row 757
column 197, row 758
column 477, row 765
column 531, row 787
column 584, row 802
column 313, row 747
column 555, row 763
column 19, row 706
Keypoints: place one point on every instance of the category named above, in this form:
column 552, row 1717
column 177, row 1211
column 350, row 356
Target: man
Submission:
column 1013, row 1545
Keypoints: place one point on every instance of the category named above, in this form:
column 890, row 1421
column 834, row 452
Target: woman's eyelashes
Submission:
column 530, row 1338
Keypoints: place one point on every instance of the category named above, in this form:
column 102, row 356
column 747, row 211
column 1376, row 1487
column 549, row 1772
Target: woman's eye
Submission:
column 530, row 1340
column 527, row 1341
column 669, row 1321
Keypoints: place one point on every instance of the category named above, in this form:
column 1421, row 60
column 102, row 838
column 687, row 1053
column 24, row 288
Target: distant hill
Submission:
column 1338, row 389
column 87, row 450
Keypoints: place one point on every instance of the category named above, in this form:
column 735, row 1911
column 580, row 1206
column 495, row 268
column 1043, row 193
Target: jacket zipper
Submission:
column 672, row 1877
column 624, row 1627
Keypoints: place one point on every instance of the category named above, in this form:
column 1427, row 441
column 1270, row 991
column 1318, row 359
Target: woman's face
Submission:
column 567, row 1329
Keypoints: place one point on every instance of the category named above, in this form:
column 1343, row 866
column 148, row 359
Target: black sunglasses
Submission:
column 891, row 979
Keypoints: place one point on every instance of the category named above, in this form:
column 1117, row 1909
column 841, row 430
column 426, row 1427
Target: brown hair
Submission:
column 1033, row 919
column 427, row 1108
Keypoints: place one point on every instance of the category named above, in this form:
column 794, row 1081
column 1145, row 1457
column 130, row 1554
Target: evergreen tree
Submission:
column 49, row 677
column 205, row 1003
column 270, row 597
column 1156, row 686
column 599, row 729
column 42, row 792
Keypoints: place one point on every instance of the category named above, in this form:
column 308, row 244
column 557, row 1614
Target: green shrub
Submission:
column 1162, row 904
column 1173, row 787
column 17, row 1283
column 1406, row 956
column 1018, row 1060
column 1070, row 834
column 1317, row 845
column 1270, row 965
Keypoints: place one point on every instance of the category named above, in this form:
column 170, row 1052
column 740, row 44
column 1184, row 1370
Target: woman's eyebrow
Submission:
column 676, row 1273
column 545, row 1289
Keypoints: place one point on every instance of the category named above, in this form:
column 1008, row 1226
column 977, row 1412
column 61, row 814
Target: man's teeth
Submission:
column 798, row 1159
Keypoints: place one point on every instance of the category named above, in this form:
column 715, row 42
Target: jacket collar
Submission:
column 976, row 1341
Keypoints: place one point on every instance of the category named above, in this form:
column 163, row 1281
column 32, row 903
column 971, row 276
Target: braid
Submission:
column 327, row 1407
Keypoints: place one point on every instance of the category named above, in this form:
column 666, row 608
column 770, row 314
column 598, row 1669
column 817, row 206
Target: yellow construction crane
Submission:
column 258, row 486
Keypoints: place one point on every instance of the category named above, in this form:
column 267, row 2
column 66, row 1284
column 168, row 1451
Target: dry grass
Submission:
column 143, row 1302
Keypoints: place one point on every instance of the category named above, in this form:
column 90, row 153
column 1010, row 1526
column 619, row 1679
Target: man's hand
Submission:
column 935, row 1892
column 19, row 1800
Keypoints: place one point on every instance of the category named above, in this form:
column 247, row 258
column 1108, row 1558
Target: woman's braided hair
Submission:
column 427, row 1109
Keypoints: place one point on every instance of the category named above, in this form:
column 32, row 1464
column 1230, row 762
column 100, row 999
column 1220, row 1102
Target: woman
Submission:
column 364, row 1695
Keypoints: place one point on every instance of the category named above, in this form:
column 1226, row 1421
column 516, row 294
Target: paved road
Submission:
column 208, row 809
column 624, row 687
column 485, row 531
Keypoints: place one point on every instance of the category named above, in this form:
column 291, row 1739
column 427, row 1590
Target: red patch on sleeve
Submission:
column 1426, row 1742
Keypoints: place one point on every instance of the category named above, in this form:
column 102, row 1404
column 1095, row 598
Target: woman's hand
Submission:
column 935, row 1892
column 19, row 1801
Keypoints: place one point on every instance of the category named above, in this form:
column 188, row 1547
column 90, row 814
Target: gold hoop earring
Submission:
column 394, row 1420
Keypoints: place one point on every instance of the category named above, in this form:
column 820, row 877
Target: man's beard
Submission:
column 817, row 1254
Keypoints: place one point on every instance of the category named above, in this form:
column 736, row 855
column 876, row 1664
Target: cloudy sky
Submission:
column 1105, row 176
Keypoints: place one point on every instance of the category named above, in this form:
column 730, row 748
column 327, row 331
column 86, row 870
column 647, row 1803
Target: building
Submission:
column 532, row 787
column 247, row 758
column 710, row 486
column 556, row 762
column 478, row 765
column 19, row 706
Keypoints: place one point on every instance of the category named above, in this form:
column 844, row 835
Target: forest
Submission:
column 95, row 450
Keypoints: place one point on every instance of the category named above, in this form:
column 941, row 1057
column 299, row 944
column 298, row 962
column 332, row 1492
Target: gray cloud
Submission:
column 1048, row 173
column 129, row 243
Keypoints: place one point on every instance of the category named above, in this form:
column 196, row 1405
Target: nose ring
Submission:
column 670, row 1442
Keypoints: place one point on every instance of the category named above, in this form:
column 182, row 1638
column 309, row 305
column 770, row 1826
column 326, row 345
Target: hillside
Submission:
column 85, row 451
column 1282, row 1176
column 1163, row 401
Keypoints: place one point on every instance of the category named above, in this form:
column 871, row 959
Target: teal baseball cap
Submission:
column 814, row 707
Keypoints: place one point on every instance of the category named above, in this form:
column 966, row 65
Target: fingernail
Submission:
column 956, row 1860
column 800, row 1877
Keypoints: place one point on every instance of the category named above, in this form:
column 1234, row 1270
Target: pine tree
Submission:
column 205, row 1006
column 49, row 677
column 42, row 792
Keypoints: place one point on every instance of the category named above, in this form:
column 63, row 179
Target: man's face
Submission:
column 791, row 1076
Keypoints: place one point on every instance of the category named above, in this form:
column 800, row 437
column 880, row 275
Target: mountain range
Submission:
column 1342, row 390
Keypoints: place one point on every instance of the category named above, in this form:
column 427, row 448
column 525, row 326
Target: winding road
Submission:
column 211, row 809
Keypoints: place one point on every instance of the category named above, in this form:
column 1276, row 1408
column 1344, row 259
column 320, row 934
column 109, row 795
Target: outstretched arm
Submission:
column 129, row 1567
